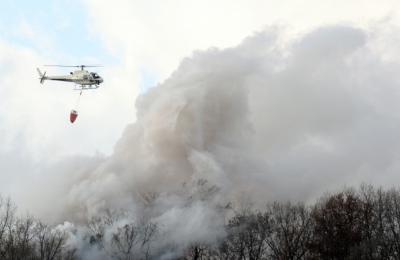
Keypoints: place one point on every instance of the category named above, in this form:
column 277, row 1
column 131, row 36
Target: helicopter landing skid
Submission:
column 86, row 87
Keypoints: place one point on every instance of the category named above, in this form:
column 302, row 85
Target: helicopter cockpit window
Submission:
column 95, row 75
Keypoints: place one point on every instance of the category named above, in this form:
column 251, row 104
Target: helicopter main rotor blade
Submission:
column 76, row 66
column 62, row 66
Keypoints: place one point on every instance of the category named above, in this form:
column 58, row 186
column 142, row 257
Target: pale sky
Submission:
column 140, row 44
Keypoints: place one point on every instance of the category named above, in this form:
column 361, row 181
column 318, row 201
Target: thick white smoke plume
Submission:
column 279, row 119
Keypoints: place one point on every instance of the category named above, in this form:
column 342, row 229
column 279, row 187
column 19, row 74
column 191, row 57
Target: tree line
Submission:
column 23, row 237
column 353, row 223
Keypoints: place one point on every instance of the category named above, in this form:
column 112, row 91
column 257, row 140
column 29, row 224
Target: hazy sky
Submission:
column 140, row 43
column 281, row 99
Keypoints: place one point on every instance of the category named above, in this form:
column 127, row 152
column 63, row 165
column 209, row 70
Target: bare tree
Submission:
column 246, row 237
column 197, row 251
column 291, row 229
column 392, row 215
column 198, row 190
column 338, row 225
column 98, row 224
column 7, row 218
column 16, row 233
column 148, row 232
column 123, row 240
column 244, row 204
column 383, row 249
column 132, row 240
column 148, row 199
column 371, row 218
column 26, row 238
column 51, row 241
column 22, row 236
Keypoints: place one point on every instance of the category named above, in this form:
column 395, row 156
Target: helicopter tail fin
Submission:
column 42, row 76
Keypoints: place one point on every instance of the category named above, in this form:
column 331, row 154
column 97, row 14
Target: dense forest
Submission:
column 353, row 223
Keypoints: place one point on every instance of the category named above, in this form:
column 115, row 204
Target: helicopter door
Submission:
column 91, row 78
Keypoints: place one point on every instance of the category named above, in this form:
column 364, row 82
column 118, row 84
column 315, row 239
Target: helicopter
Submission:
column 82, row 78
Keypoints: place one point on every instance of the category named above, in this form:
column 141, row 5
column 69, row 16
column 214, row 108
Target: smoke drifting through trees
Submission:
column 282, row 119
column 27, row 238
column 349, row 224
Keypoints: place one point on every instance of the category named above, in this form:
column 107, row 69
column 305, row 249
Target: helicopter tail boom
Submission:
column 42, row 76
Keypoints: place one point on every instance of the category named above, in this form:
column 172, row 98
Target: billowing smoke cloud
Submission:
column 279, row 119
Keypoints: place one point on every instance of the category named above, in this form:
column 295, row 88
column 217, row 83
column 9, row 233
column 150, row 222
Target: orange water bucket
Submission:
column 73, row 115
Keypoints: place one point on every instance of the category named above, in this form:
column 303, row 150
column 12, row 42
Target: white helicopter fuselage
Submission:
column 82, row 77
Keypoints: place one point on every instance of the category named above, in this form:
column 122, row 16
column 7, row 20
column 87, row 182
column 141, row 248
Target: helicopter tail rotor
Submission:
column 42, row 76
